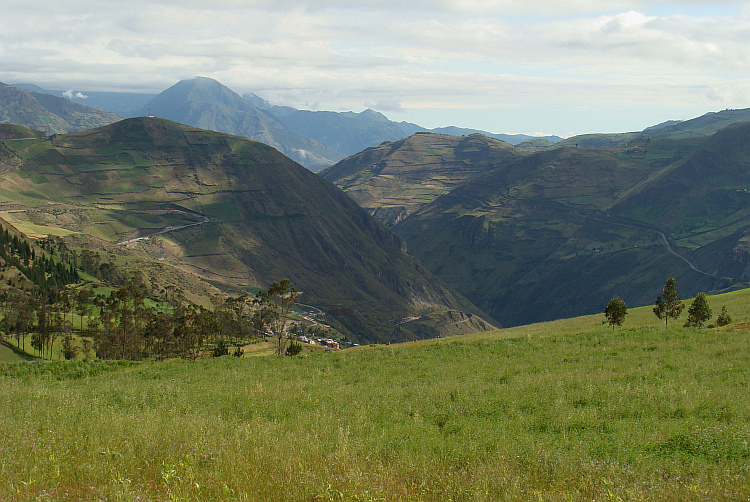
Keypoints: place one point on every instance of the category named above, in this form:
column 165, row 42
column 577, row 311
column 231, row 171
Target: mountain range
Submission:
column 559, row 232
column 526, row 232
column 236, row 213
column 315, row 139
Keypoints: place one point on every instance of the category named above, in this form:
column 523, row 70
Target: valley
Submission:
column 543, row 228
column 147, row 240
column 234, row 213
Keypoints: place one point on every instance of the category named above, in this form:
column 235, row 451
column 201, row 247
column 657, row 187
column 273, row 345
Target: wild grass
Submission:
column 630, row 414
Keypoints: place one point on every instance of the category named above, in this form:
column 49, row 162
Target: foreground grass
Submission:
column 638, row 414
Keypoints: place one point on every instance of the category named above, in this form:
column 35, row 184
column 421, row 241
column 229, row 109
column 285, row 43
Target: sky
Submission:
column 561, row 67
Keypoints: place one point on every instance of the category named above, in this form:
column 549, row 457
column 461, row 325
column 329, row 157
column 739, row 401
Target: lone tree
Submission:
column 699, row 312
column 275, row 305
column 668, row 303
column 616, row 311
column 724, row 318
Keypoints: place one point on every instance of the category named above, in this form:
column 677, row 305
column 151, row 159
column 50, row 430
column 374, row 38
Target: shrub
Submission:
column 294, row 348
column 221, row 349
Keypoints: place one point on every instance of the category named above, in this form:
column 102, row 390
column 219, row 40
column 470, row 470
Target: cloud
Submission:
column 393, row 56
column 70, row 94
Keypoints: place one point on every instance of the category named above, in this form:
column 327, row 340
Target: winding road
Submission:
column 666, row 243
column 167, row 229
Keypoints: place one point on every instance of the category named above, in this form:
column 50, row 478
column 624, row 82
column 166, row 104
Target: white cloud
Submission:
column 394, row 56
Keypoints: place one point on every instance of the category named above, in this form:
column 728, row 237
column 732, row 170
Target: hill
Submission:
column 205, row 103
column 559, row 233
column 13, row 131
column 47, row 113
column 513, row 139
column 397, row 178
column 233, row 211
column 704, row 125
column 699, row 127
column 647, row 414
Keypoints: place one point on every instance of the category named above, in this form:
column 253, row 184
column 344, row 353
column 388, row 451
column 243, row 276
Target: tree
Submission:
column 699, row 312
column 615, row 311
column 724, row 318
column 274, row 306
column 668, row 303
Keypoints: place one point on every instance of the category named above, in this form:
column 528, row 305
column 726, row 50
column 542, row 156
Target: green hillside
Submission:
column 235, row 212
column 704, row 125
column 13, row 131
column 696, row 128
column 397, row 178
column 636, row 413
column 559, row 233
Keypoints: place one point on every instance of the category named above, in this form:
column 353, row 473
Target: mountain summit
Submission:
column 205, row 103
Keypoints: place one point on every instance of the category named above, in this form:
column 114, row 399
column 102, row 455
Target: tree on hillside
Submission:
column 275, row 304
column 699, row 312
column 615, row 312
column 724, row 318
column 668, row 303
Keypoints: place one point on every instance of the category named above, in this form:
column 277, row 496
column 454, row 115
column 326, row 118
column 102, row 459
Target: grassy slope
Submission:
column 632, row 414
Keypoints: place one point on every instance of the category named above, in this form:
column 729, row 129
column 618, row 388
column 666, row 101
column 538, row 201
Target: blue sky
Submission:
column 542, row 66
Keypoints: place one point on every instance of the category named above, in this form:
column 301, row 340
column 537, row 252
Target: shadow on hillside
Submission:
column 23, row 355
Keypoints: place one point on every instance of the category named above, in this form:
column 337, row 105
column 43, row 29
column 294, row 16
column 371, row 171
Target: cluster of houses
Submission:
column 324, row 342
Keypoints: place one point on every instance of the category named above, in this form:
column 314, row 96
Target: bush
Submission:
column 294, row 348
column 221, row 349
column 724, row 317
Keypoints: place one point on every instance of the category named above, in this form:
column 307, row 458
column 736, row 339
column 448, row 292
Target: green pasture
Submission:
column 627, row 414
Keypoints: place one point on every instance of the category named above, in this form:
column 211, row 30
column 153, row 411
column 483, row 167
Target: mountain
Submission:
column 235, row 212
column 560, row 232
column 119, row 103
column 47, row 113
column 205, row 103
column 513, row 139
column 704, row 125
column 395, row 179
column 699, row 127
column 347, row 133
column 316, row 139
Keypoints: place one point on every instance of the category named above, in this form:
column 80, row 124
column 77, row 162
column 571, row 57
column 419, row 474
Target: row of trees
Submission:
column 126, row 324
column 668, row 305
column 129, row 322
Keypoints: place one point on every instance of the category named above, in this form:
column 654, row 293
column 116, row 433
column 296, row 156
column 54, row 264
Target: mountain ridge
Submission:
column 574, row 226
column 264, row 217
column 48, row 113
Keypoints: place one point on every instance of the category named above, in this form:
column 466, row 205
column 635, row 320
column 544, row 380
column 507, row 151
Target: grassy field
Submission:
column 642, row 413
